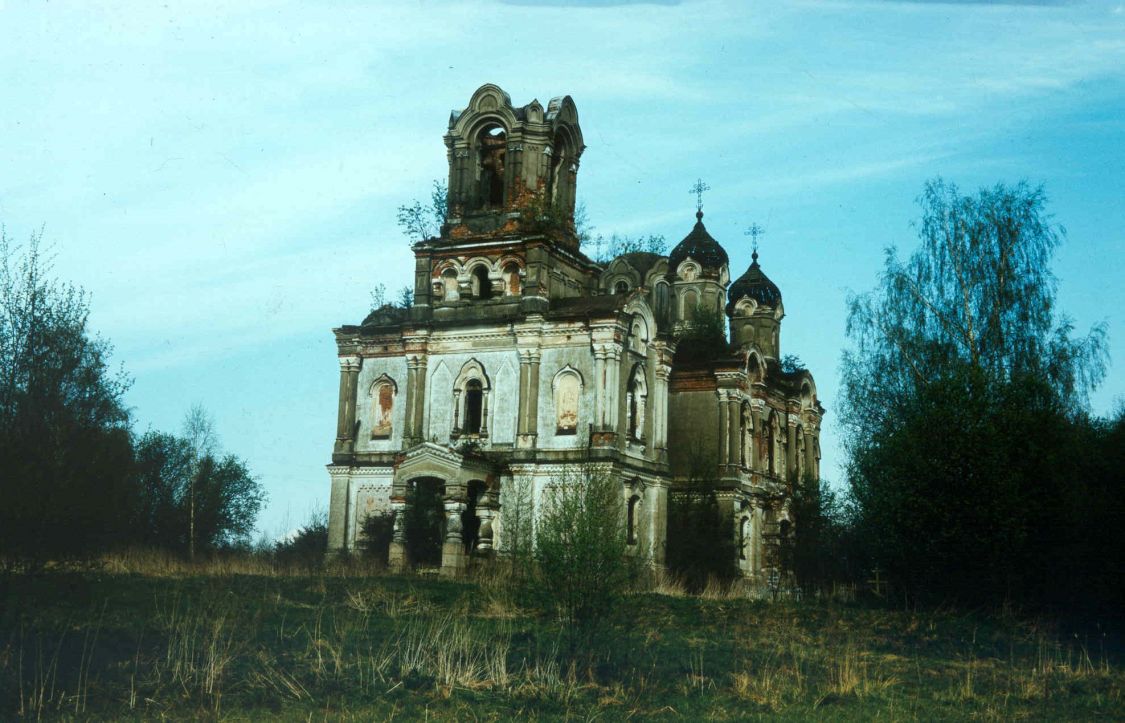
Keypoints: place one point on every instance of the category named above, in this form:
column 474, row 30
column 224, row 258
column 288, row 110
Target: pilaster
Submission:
column 345, row 416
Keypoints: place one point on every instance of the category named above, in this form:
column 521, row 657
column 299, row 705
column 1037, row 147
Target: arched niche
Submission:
column 566, row 390
column 382, row 393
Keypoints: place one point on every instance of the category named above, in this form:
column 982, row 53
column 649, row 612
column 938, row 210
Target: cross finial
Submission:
column 754, row 232
column 698, row 190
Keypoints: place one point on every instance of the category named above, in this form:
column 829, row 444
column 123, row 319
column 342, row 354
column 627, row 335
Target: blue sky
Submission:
column 224, row 180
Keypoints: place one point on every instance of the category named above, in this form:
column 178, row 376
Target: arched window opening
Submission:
column 621, row 287
column 568, row 391
column 743, row 537
column 771, row 445
column 631, row 520
column 688, row 303
column 560, row 186
column 747, row 452
column 662, row 297
column 493, row 144
column 799, row 455
column 512, row 279
column 754, row 368
column 636, row 396
column 474, row 402
column 382, row 409
column 482, row 286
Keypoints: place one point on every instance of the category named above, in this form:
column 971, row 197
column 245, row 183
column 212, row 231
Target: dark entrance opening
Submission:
column 424, row 522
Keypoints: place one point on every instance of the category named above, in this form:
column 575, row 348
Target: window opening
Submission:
column 493, row 147
column 482, row 287
column 631, row 525
column 474, row 398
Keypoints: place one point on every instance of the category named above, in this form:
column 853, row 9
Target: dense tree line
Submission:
column 75, row 479
column 976, row 473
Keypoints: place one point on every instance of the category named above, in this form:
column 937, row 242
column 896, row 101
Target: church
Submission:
column 521, row 360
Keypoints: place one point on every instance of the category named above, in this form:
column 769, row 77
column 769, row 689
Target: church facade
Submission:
column 522, row 361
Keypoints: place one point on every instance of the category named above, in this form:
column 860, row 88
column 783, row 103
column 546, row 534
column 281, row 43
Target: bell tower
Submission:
column 508, row 164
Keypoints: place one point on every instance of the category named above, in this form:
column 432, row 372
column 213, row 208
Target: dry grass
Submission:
column 230, row 644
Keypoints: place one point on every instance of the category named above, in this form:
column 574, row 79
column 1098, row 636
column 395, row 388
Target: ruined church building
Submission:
column 522, row 360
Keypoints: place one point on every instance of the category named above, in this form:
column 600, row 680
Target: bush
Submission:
column 377, row 531
column 307, row 547
column 580, row 548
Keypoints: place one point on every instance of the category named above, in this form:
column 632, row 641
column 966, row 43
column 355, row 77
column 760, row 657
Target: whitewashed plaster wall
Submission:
column 551, row 361
column 502, row 368
column 369, row 493
column 372, row 369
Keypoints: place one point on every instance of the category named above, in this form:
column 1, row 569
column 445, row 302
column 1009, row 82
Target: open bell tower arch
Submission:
column 505, row 160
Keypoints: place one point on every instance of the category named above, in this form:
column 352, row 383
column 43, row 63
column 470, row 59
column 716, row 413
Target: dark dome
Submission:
column 754, row 284
column 700, row 246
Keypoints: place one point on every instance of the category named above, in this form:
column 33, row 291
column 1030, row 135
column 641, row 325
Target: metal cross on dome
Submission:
column 754, row 232
column 698, row 190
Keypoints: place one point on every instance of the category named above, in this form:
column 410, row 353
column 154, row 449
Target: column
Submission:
column 599, row 387
column 453, row 549
column 345, row 417
column 791, row 451
column 724, row 430
column 661, row 372
column 533, row 394
column 811, row 462
column 521, row 420
column 415, row 399
column 396, row 559
column 734, row 443
column 486, row 511
column 528, row 426
column 613, row 385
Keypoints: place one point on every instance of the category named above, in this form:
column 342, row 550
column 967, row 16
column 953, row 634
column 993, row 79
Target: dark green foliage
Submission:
column 701, row 543
column 791, row 363
column 420, row 222
column 821, row 552
column 227, row 497
column 424, row 523
column 971, row 463
column 580, row 551
column 706, row 338
column 64, row 429
column 378, row 530
column 161, row 468
column 306, row 548
column 604, row 250
column 73, row 480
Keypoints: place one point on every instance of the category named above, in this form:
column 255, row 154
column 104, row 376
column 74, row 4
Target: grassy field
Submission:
column 99, row 645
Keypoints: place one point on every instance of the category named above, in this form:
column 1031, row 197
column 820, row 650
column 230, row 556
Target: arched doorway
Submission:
column 424, row 521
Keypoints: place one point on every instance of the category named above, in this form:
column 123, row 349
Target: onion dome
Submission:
column 756, row 285
column 701, row 247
